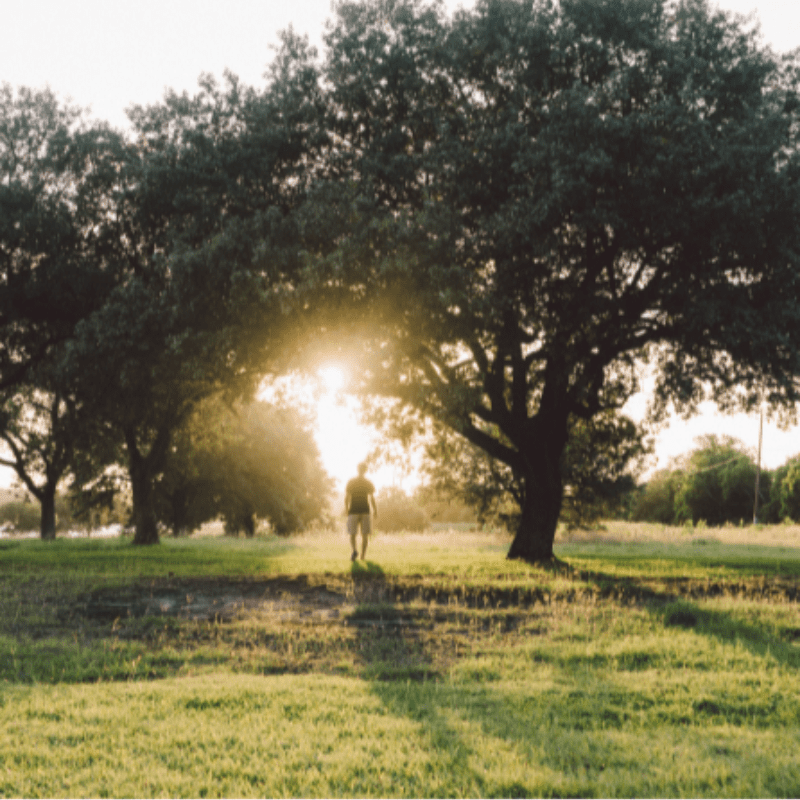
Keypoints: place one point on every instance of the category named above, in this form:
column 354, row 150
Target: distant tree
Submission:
column 718, row 482
column 58, row 180
column 397, row 511
column 784, row 498
column 527, row 200
column 244, row 463
column 59, row 177
column 21, row 515
column 39, row 430
column 441, row 508
column 655, row 501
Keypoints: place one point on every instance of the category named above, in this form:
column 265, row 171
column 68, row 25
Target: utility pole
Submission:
column 758, row 465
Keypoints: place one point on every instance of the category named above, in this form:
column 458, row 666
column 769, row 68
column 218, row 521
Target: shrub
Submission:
column 656, row 500
column 21, row 515
column 398, row 512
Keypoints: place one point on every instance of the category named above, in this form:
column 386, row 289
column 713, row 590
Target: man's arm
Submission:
column 346, row 502
column 374, row 507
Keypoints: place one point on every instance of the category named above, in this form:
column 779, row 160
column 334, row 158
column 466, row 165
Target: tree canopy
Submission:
column 206, row 191
column 500, row 215
column 57, row 177
column 532, row 199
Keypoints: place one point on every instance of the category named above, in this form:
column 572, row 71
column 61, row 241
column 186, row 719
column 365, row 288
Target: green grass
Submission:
column 117, row 559
column 654, row 668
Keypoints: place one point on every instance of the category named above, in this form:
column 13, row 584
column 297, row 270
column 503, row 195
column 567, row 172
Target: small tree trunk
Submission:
column 544, row 493
column 144, row 515
column 47, row 499
column 179, row 502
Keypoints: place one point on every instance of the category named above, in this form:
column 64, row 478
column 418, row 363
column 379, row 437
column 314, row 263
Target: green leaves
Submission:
column 542, row 191
column 244, row 463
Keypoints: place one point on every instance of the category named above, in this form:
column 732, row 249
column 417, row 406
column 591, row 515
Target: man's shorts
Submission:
column 354, row 520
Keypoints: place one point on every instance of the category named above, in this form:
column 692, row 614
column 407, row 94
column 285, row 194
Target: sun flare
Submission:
column 332, row 377
column 342, row 441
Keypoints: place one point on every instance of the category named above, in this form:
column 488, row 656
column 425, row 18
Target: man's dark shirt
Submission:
column 359, row 490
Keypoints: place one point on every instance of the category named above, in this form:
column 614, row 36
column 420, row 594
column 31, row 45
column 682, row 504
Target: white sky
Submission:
column 110, row 54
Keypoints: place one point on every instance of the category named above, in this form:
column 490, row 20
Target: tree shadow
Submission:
column 675, row 603
column 403, row 674
column 540, row 722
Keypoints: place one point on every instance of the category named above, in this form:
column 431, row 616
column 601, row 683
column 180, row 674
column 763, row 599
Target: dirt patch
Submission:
column 221, row 599
column 331, row 598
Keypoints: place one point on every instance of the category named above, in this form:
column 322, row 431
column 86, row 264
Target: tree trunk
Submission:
column 544, row 492
column 144, row 515
column 179, row 503
column 47, row 499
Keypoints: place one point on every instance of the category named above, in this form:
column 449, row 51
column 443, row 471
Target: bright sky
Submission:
column 343, row 443
column 111, row 55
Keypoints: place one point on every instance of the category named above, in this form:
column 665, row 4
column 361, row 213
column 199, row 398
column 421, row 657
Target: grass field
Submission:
column 659, row 662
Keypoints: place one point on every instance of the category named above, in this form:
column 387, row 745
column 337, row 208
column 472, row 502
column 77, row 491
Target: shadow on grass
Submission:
column 366, row 569
column 453, row 717
column 390, row 644
column 555, row 733
column 673, row 602
column 559, row 732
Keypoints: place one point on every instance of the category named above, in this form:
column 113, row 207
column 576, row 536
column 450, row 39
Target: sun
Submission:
column 332, row 377
column 343, row 442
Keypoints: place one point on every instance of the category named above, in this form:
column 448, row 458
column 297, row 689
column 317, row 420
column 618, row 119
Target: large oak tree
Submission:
column 209, row 184
column 59, row 247
column 531, row 199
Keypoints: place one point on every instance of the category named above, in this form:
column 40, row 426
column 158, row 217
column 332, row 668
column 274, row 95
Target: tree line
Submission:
column 717, row 483
column 496, row 216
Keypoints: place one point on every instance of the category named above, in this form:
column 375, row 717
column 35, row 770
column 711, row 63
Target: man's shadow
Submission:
column 366, row 569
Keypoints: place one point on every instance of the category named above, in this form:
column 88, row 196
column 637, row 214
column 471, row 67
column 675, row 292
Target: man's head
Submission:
column 362, row 468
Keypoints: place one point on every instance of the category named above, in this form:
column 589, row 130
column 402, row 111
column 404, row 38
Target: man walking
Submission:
column 359, row 495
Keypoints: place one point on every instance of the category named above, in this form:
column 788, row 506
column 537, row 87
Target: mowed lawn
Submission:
column 656, row 662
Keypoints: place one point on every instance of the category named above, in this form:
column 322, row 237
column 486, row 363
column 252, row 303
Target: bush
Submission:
column 656, row 500
column 22, row 516
column 398, row 512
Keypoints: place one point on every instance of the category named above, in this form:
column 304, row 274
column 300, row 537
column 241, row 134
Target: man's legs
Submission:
column 353, row 523
column 366, row 529
column 352, row 528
